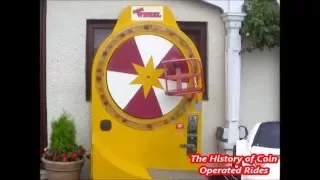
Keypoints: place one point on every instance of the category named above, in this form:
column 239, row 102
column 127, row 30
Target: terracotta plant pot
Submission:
column 63, row 170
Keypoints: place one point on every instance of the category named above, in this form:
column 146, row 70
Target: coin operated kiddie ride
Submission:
column 147, row 85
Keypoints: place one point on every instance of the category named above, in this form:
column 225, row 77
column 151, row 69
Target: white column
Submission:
column 232, row 74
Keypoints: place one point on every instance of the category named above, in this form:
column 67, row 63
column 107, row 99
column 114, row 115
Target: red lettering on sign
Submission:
column 141, row 13
column 179, row 126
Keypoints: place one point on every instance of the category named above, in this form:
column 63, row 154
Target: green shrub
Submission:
column 63, row 145
column 261, row 25
column 63, row 134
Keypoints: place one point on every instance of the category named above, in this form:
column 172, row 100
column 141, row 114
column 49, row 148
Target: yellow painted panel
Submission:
column 130, row 148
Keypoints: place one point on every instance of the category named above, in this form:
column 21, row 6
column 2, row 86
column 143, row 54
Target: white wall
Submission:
column 260, row 87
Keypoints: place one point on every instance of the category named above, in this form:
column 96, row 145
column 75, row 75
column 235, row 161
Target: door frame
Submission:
column 43, row 99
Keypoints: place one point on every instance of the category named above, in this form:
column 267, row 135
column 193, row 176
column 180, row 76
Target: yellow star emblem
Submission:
column 148, row 76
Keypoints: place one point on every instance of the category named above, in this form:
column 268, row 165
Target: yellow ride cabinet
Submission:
column 146, row 97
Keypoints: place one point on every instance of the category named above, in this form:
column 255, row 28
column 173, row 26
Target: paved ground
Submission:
column 159, row 174
column 43, row 174
column 175, row 175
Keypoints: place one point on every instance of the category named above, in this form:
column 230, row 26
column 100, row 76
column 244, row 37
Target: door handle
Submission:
column 188, row 146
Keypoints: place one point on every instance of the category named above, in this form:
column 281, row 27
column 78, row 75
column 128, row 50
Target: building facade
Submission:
column 240, row 89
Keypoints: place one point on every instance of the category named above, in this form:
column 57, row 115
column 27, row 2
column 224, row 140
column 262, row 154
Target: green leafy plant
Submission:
column 63, row 145
column 261, row 25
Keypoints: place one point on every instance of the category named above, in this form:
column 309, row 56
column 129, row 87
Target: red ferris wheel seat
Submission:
column 194, row 76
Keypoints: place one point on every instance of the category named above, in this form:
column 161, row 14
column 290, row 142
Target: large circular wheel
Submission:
column 135, row 76
column 130, row 76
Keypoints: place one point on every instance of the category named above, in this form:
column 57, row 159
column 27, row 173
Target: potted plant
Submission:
column 63, row 159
